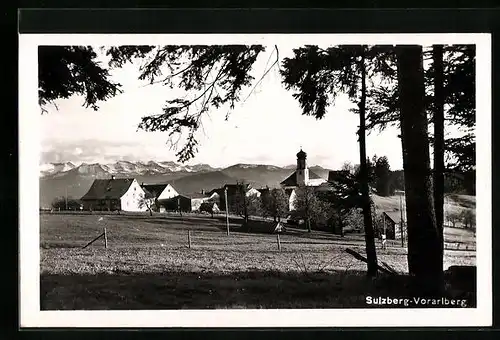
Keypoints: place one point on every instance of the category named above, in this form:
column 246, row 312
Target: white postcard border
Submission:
column 29, row 152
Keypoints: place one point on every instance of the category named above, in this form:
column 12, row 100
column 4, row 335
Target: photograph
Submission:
column 246, row 176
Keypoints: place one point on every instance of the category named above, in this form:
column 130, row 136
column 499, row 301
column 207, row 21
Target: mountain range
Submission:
column 67, row 179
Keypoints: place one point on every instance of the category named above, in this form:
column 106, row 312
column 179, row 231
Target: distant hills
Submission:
column 59, row 179
column 120, row 168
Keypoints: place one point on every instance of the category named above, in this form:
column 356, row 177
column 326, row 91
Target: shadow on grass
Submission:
column 194, row 290
column 268, row 227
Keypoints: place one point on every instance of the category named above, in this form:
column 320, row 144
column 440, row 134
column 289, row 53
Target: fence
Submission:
column 104, row 234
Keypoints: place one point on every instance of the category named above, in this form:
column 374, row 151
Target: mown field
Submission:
column 149, row 265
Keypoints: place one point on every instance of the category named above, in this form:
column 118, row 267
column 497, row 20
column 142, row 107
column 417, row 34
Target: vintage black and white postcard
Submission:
column 258, row 180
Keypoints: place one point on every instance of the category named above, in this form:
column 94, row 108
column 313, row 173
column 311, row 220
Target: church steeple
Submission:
column 301, row 159
column 302, row 172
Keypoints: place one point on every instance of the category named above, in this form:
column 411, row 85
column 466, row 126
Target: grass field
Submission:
column 148, row 264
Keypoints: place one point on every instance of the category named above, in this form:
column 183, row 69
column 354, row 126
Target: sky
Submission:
column 267, row 128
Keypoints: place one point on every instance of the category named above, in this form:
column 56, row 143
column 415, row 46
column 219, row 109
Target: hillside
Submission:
column 258, row 175
column 201, row 181
column 453, row 203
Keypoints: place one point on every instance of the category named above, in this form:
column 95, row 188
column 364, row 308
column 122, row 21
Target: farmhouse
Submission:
column 218, row 195
column 185, row 201
column 213, row 196
column 301, row 176
column 115, row 194
column 196, row 200
column 161, row 193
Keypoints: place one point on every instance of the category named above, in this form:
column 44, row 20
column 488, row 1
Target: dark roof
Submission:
column 394, row 216
column 264, row 191
column 108, row 189
column 154, row 189
column 215, row 191
column 231, row 189
column 326, row 186
column 147, row 194
column 334, row 175
column 291, row 180
column 195, row 195
column 301, row 154
column 211, row 192
column 234, row 186
column 175, row 198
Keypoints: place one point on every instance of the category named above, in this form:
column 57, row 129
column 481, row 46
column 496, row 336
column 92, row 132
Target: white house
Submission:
column 253, row 192
column 301, row 176
column 115, row 194
column 161, row 192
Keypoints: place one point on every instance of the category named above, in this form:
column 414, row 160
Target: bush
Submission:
column 453, row 218
column 59, row 203
column 468, row 218
column 353, row 221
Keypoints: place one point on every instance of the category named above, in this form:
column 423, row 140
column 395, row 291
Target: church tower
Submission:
column 302, row 172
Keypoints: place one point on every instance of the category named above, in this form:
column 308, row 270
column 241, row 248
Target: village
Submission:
column 128, row 195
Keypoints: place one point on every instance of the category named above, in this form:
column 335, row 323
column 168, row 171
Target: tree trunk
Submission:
column 438, row 179
column 424, row 260
column 307, row 221
column 371, row 253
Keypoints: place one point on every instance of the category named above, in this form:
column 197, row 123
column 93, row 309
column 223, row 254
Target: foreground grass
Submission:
column 251, row 290
column 148, row 265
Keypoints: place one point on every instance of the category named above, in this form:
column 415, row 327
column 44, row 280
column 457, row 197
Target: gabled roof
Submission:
column 147, row 194
column 291, row 181
column 326, row 186
column 394, row 216
column 154, row 189
column 323, row 187
column 195, row 195
column 108, row 189
column 214, row 191
column 334, row 175
column 231, row 189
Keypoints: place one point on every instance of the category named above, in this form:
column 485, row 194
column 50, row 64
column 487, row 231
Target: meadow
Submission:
column 149, row 265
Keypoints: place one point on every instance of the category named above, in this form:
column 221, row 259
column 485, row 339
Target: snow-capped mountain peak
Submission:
column 53, row 168
column 122, row 168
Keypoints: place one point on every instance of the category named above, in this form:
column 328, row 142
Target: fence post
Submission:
column 88, row 244
column 227, row 210
column 105, row 239
column 189, row 239
column 278, row 240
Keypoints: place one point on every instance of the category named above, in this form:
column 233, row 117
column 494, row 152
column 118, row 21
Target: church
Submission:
column 301, row 176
